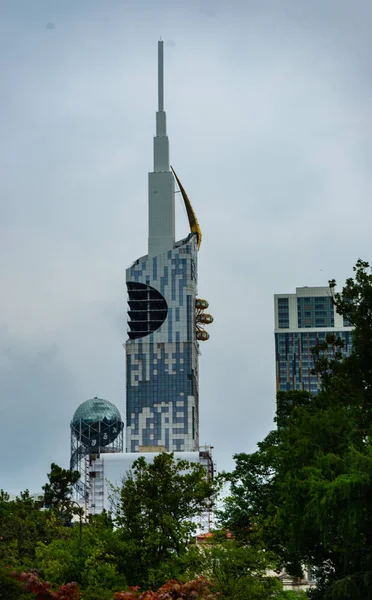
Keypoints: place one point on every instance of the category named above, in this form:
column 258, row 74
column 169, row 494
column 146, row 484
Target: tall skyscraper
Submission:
column 302, row 320
column 165, row 318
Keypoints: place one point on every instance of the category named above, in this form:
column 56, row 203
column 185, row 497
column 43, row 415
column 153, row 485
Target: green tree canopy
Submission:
column 94, row 565
column 238, row 570
column 157, row 509
column 58, row 491
column 22, row 524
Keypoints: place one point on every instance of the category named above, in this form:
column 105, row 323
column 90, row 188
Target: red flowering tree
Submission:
column 196, row 589
column 42, row 589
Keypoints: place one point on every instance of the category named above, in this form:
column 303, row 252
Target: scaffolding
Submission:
column 88, row 442
column 206, row 461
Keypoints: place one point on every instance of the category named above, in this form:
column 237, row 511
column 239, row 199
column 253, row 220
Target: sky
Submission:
column 268, row 108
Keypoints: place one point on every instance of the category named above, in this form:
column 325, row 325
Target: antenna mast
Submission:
column 160, row 76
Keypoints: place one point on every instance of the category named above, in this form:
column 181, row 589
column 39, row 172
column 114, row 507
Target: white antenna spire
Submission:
column 161, row 126
column 161, row 145
column 161, row 181
column 160, row 76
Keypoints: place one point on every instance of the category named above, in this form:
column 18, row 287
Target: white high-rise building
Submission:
column 302, row 320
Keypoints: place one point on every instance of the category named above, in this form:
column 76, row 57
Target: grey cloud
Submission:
column 35, row 388
column 269, row 124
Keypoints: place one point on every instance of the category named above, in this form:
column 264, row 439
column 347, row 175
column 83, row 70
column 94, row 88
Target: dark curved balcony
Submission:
column 148, row 309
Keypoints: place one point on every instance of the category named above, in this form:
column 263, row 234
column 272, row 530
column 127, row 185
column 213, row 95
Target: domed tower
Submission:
column 96, row 428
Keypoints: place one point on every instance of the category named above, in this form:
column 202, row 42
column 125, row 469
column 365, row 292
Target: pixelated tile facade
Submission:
column 162, row 367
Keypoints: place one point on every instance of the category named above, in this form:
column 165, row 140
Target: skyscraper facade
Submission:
column 165, row 318
column 302, row 320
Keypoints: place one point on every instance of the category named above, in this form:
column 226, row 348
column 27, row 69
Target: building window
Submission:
column 283, row 313
column 315, row 312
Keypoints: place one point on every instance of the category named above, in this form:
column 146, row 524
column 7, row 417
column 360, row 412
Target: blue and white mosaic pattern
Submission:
column 162, row 367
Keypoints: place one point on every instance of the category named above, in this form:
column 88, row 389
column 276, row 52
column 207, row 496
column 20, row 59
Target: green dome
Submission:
column 94, row 410
column 96, row 423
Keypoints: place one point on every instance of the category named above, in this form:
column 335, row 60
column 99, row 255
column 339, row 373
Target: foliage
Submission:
column 58, row 492
column 43, row 590
column 93, row 565
column 9, row 587
column 239, row 571
column 196, row 589
column 156, row 515
column 22, row 524
column 306, row 492
column 168, row 497
column 149, row 540
column 35, row 540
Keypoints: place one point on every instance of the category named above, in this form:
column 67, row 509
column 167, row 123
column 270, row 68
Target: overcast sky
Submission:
column 269, row 120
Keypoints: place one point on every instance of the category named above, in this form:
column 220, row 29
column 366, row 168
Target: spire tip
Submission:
column 160, row 77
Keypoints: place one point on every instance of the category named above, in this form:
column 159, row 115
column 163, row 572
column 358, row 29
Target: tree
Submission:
column 43, row 591
column 307, row 491
column 239, row 570
column 9, row 588
column 58, row 492
column 94, row 565
column 196, row 589
column 156, row 514
column 22, row 525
